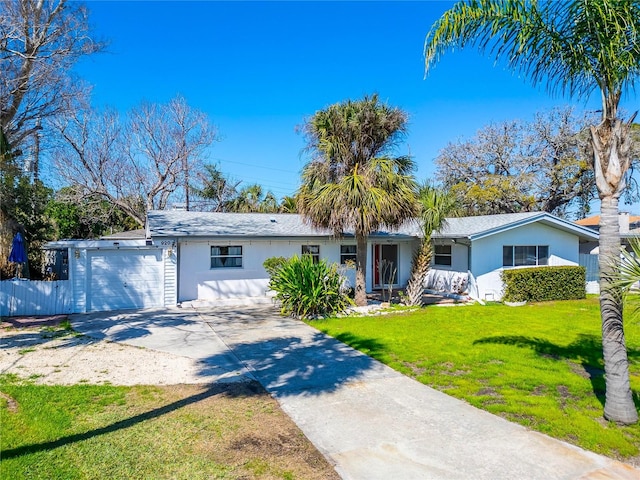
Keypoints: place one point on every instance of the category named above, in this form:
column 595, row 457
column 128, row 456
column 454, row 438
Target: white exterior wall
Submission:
column 486, row 254
column 78, row 278
column 82, row 251
column 451, row 279
column 197, row 281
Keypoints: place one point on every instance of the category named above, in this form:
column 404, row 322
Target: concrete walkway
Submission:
column 368, row 420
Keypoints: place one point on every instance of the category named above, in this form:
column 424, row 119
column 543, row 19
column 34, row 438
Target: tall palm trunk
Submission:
column 611, row 159
column 361, row 268
column 419, row 269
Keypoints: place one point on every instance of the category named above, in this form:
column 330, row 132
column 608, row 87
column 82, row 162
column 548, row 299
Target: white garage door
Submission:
column 124, row 279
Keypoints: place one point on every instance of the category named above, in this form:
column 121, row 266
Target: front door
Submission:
column 385, row 265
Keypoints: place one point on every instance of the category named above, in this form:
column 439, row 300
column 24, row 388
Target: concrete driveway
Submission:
column 368, row 420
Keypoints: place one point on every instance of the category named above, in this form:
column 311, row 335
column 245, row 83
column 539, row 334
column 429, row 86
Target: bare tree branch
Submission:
column 40, row 41
column 137, row 165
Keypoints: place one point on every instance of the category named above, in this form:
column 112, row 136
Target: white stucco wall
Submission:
column 197, row 281
column 486, row 254
column 486, row 259
column 452, row 279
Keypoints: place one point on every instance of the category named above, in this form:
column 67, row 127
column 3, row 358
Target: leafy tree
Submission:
column 351, row 182
column 89, row 218
column 215, row 189
column 577, row 46
column 22, row 208
column 517, row 166
column 435, row 206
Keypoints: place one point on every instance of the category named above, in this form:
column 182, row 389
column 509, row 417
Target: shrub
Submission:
column 307, row 289
column 272, row 264
column 540, row 284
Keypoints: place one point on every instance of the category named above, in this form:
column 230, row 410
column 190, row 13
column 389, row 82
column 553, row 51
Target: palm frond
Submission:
column 574, row 46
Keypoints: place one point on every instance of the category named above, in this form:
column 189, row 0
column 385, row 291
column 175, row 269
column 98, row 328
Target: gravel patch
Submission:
column 65, row 358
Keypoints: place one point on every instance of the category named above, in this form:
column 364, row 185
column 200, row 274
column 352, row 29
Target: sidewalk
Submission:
column 368, row 420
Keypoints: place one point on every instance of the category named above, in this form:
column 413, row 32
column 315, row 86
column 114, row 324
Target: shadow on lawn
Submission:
column 244, row 389
column 586, row 351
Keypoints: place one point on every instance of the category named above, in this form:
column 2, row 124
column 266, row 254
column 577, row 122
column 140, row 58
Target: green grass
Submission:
column 539, row 365
column 180, row 432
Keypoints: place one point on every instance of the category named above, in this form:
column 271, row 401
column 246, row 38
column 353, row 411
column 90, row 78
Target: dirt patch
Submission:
column 586, row 371
column 242, row 425
column 33, row 321
column 539, row 391
column 12, row 405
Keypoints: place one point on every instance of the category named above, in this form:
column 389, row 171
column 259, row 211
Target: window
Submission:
column 347, row 254
column 313, row 250
column 226, row 257
column 523, row 255
column 442, row 255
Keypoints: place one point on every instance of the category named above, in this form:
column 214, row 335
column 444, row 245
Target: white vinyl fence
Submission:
column 26, row 297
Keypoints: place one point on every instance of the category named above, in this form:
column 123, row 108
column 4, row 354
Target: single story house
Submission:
column 476, row 249
column 218, row 257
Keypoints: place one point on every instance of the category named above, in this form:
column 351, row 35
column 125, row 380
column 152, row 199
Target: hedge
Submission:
column 540, row 284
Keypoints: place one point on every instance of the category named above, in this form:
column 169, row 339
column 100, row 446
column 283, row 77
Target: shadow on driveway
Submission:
column 285, row 355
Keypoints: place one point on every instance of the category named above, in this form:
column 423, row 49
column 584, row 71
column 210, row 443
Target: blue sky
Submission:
column 259, row 69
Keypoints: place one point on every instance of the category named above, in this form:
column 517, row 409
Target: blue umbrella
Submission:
column 18, row 252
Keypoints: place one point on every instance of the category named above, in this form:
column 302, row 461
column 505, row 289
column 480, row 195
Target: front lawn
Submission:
column 539, row 365
column 226, row 431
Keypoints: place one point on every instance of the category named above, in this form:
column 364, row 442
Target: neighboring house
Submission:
column 218, row 257
column 629, row 228
column 477, row 249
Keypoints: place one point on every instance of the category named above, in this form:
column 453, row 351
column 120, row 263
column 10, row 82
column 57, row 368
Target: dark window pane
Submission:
column 525, row 255
column 507, row 256
column 442, row 249
column 347, row 254
column 310, row 249
column 313, row 250
column 543, row 255
column 443, row 260
column 226, row 257
column 442, row 255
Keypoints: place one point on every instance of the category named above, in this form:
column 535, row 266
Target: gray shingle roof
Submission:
column 469, row 226
column 486, row 225
column 180, row 223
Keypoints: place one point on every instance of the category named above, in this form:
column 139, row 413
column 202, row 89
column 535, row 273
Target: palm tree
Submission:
column 351, row 182
column 252, row 198
column 435, row 206
column 288, row 205
column 575, row 47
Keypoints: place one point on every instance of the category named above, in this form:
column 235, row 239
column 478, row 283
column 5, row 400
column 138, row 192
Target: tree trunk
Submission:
column 611, row 142
column 419, row 268
column 361, row 269
column 619, row 406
